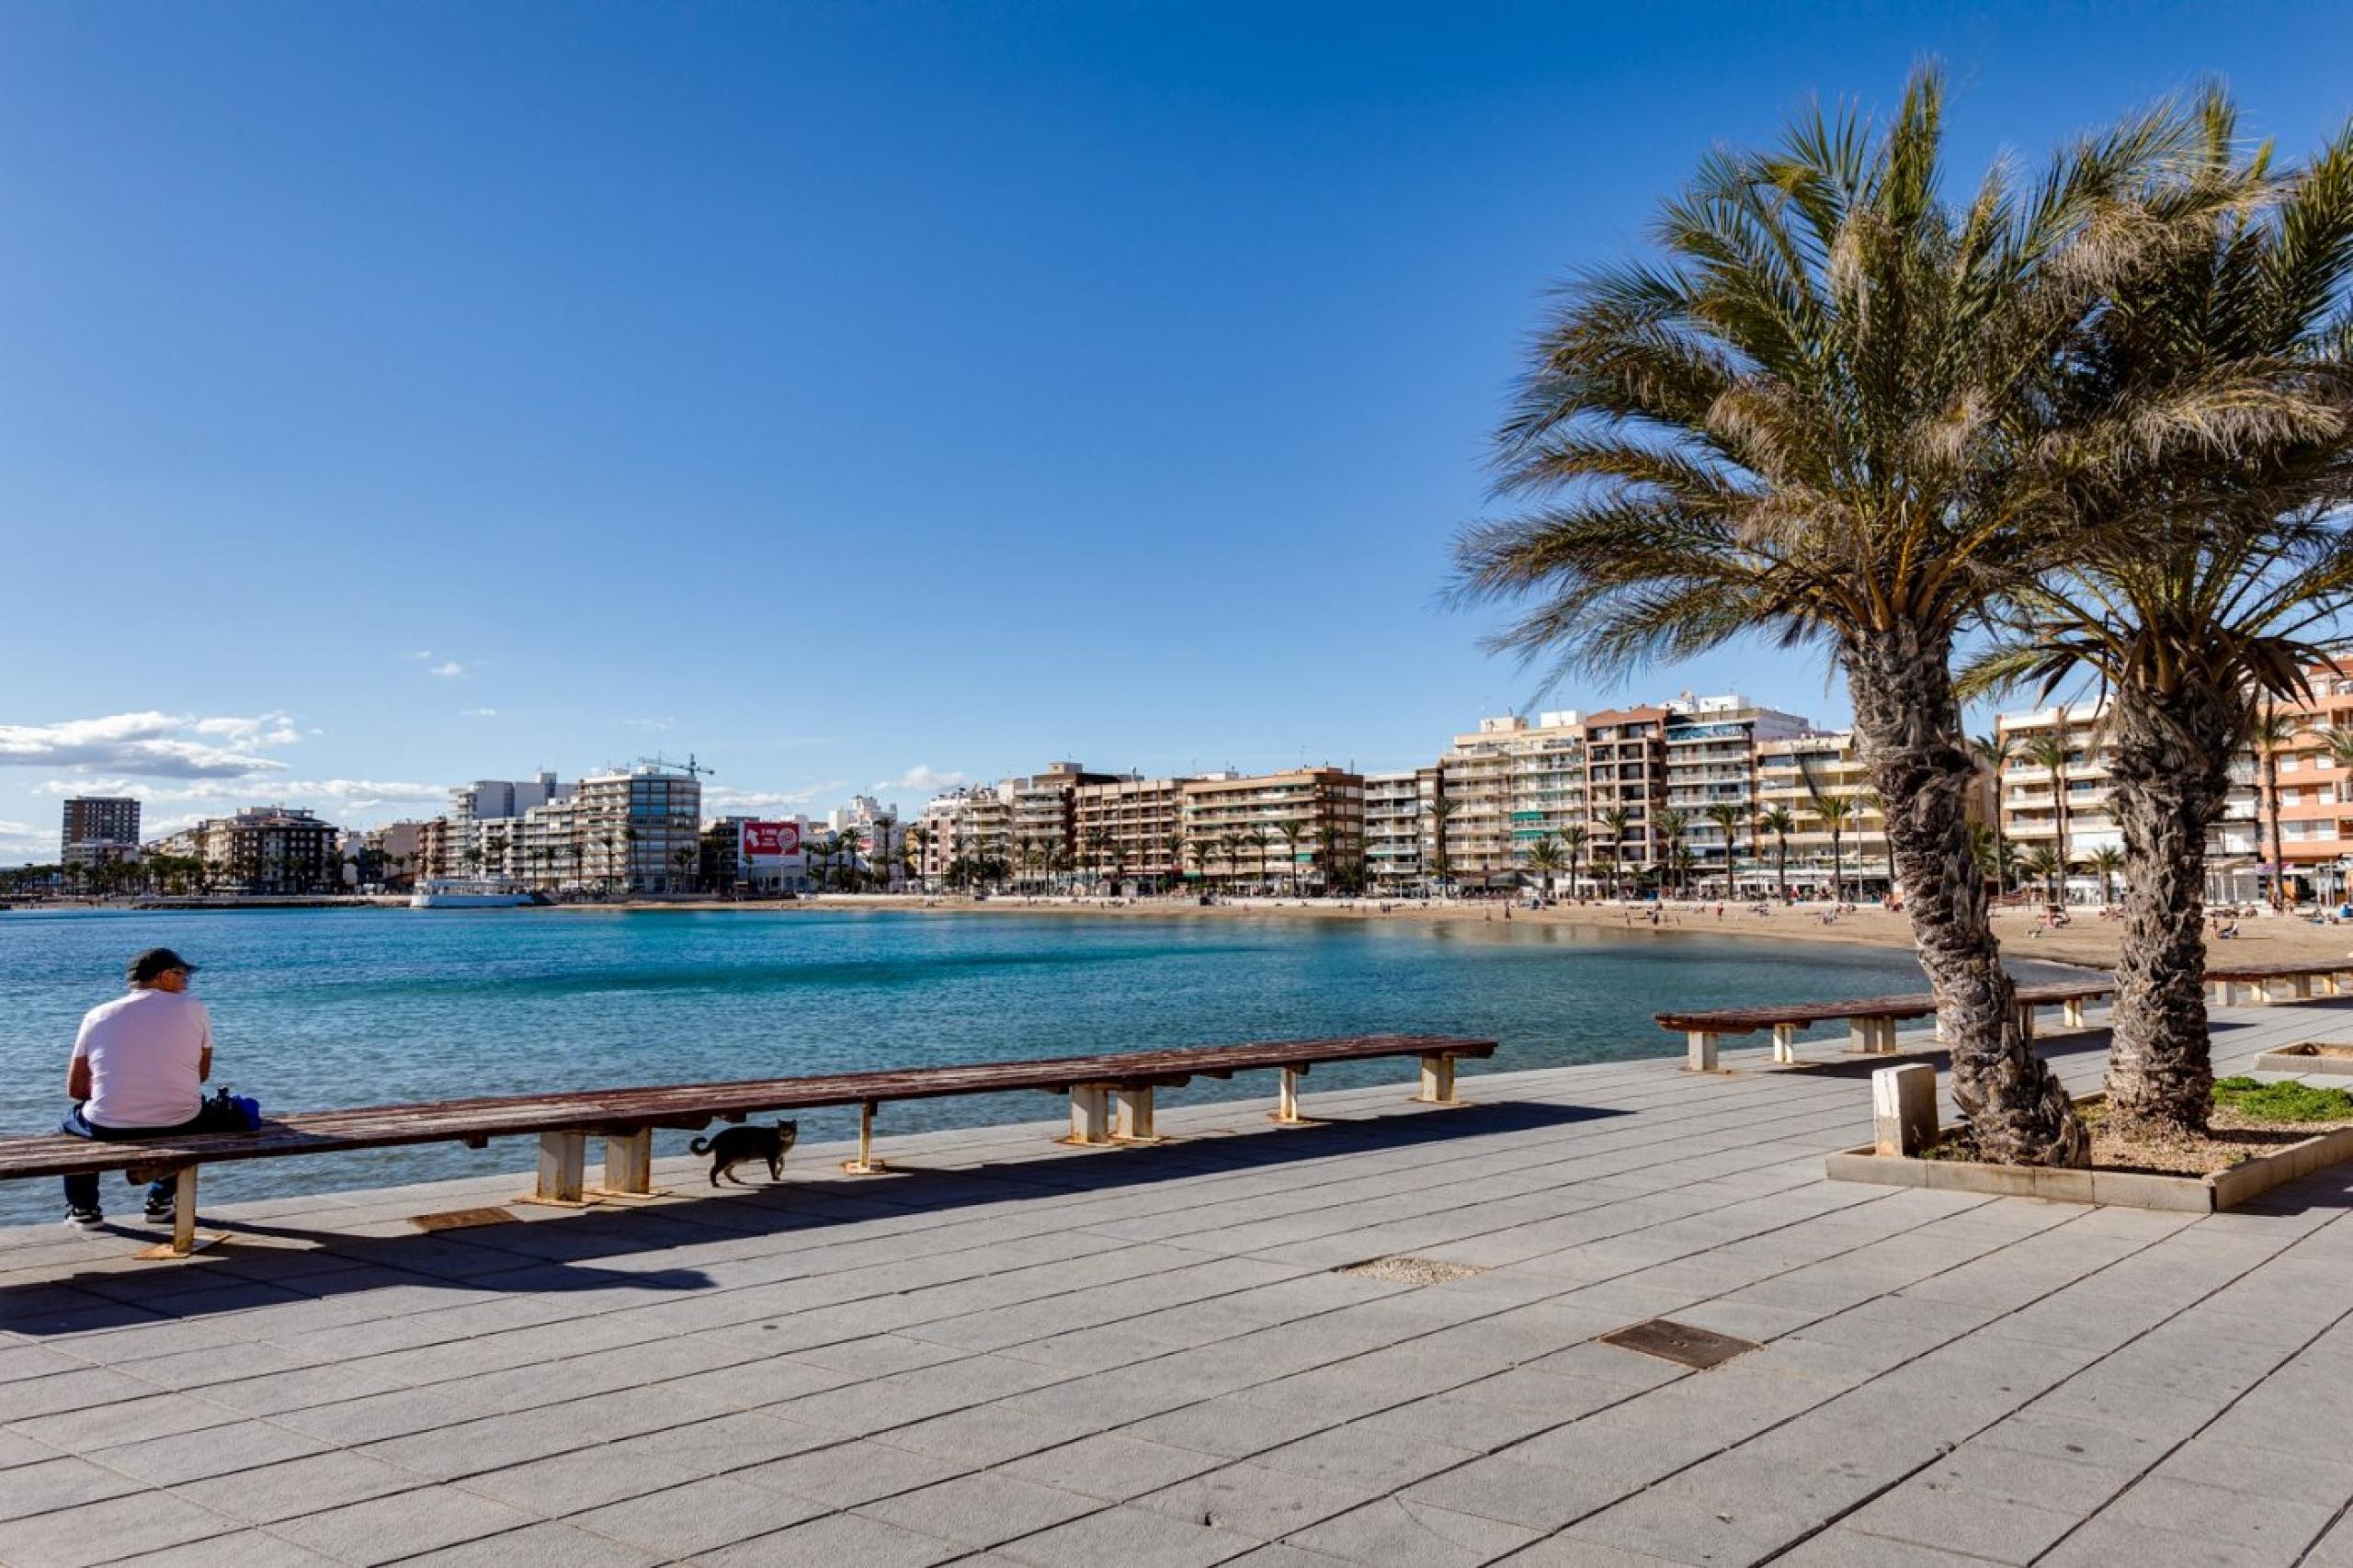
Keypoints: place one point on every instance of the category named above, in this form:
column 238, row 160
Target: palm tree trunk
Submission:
column 2172, row 779
column 1782, row 866
column 1906, row 716
column 2279, row 848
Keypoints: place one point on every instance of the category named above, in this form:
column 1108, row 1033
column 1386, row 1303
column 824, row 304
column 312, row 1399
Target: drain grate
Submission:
column 1409, row 1270
column 1681, row 1342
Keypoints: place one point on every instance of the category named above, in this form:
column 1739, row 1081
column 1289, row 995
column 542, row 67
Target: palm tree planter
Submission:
column 2228, row 1188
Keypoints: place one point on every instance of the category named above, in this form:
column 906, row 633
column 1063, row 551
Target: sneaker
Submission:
column 84, row 1218
column 158, row 1210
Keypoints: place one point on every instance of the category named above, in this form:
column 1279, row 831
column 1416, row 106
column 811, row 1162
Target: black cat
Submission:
column 732, row 1146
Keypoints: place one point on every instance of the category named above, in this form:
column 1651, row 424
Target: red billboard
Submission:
column 771, row 840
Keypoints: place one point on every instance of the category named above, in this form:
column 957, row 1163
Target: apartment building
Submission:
column 1392, row 831
column 1709, row 756
column 2058, row 763
column 1506, row 784
column 1303, row 828
column 273, row 849
column 96, row 828
column 1625, row 756
column 485, row 833
column 967, row 827
column 635, row 830
column 1796, row 774
column 1130, row 830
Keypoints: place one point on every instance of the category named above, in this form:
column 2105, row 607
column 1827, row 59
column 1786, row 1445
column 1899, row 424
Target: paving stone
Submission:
column 846, row 1475
column 242, row 1549
column 539, row 1546
column 2105, row 1542
column 1680, row 1527
column 99, row 1532
column 1132, row 1537
column 63, row 1482
column 846, row 1539
column 1397, row 1530
column 1956, row 1519
column 2280, row 1526
column 1230, row 1428
column 982, row 1510
column 218, row 1450
column 726, row 1443
column 128, row 1421
column 1535, row 1497
column 1366, row 1457
column 986, row 1434
column 385, row 1528
column 699, row 1517
column 1249, row 1499
column 1852, row 1549
column 570, row 1484
column 1112, row 1466
column 300, row 1486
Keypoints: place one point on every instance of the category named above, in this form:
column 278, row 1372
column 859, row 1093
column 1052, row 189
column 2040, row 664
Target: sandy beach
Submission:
column 2086, row 939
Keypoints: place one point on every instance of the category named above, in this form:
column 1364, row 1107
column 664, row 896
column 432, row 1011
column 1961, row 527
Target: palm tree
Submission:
column 2271, row 731
column 1670, row 823
column 684, row 857
column 1994, row 751
column 1727, row 819
column 1441, row 859
column 1229, row 844
column 2042, row 863
column 1781, row 824
column 850, row 843
column 1807, row 421
column 1615, row 821
column 1867, row 801
column 1544, row 858
column 1836, row 813
column 1259, row 840
column 2105, row 861
column 2049, row 754
column 1573, row 841
column 917, row 841
column 1293, row 832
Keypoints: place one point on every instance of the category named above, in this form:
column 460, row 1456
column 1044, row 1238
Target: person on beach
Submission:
column 139, row 1066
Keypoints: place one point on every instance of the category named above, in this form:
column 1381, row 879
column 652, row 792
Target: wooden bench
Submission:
column 1110, row 1103
column 2267, row 981
column 1870, row 1020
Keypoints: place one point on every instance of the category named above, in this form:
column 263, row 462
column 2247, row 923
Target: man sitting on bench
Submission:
column 138, row 1065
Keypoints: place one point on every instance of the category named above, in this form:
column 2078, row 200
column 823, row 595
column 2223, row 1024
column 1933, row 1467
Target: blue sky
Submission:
column 396, row 395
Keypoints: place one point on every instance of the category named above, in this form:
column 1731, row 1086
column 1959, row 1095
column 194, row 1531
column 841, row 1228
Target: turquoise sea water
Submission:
column 315, row 1008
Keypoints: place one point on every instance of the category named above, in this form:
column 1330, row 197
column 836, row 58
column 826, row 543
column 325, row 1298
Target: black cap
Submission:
column 157, row 961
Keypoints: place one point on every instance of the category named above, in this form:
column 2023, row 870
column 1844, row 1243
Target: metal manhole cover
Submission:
column 1409, row 1270
column 461, row 1218
column 1680, row 1343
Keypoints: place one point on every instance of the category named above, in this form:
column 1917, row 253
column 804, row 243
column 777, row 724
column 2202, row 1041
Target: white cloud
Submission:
column 448, row 669
column 720, row 802
column 422, row 654
column 20, row 839
column 478, row 714
column 150, row 792
column 148, row 744
column 657, row 725
column 920, row 776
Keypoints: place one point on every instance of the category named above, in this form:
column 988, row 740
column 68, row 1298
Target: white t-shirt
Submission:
column 144, row 1051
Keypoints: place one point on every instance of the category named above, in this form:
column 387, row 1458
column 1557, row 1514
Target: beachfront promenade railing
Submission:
column 1110, row 1103
column 1871, row 1020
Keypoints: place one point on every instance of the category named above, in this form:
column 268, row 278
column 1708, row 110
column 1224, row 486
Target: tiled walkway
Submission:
column 1025, row 1354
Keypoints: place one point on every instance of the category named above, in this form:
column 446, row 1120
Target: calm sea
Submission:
column 315, row 1008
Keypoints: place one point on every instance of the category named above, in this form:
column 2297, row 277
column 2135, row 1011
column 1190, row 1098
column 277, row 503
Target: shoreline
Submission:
column 2088, row 941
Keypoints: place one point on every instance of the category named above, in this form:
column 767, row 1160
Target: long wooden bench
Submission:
column 2267, row 981
column 1110, row 1103
column 1870, row 1020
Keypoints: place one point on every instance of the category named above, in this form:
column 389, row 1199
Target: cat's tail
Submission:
column 700, row 1146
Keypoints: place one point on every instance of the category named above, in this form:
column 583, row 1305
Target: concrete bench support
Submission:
column 866, row 1163
column 564, row 1169
column 1287, row 1098
column 1903, row 1109
column 2299, row 986
column 2071, row 1012
column 2224, row 992
column 1785, row 1042
column 2026, row 1020
column 1090, row 1114
column 1700, row 1056
column 1438, row 1080
column 1133, row 1124
column 184, row 1240
column 629, row 1164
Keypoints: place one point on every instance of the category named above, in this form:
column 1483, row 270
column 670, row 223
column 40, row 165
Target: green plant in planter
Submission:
column 2284, row 1101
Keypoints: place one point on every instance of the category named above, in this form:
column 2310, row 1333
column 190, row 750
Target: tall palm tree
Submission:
column 1836, row 814
column 1992, row 751
column 1781, row 824
column 1573, row 842
column 1442, row 857
column 1867, row 801
column 1805, row 421
column 2271, row 731
column 1544, row 858
column 1670, row 823
column 2204, row 568
column 1259, row 840
column 1727, row 819
column 2042, row 863
column 1615, row 821
column 1230, row 845
column 1293, row 832
column 2050, row 753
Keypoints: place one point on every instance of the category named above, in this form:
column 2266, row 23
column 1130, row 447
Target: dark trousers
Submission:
column 82, row 1191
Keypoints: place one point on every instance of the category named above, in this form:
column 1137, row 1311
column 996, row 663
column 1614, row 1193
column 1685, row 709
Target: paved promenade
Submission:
column 1025, row 1354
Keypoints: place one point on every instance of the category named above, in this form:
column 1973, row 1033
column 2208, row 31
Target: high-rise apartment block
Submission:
column 96, row 828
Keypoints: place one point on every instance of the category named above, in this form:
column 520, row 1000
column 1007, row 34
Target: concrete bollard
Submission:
column 1903, row 1109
